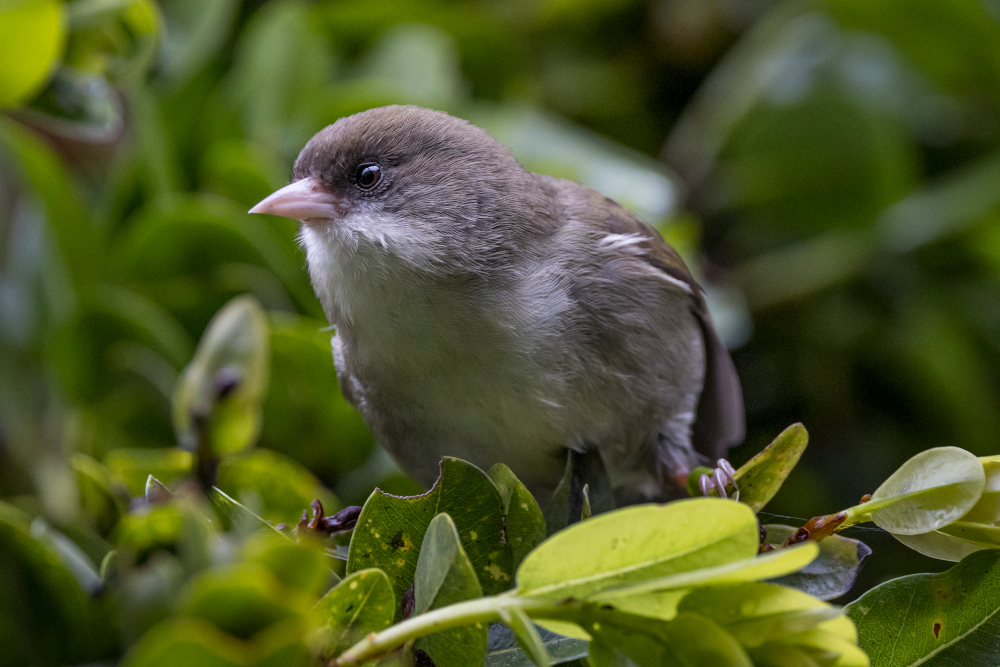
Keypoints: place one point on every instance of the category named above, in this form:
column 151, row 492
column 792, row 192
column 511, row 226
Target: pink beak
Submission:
column 305, row 200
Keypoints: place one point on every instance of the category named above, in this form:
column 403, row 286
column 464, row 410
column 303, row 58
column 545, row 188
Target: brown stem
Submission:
column 817, row 528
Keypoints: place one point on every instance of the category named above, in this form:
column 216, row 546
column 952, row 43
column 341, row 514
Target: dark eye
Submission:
column 368, row 175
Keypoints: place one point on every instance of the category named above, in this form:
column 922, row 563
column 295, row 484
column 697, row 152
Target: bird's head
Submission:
column 416, row 183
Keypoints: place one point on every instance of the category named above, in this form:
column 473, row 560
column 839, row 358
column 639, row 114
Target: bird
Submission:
column 488, row 313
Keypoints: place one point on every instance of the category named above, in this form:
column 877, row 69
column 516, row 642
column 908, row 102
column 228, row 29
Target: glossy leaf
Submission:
column 361, row 603
column 527, row 636
column 525, row 525
column 444, row 576
column 636, row 544
column 929, row 491
column 32, row 36
column 220, row 393
column 504, row 650
column 952, row 618
column 834, row 570
column 390, row 530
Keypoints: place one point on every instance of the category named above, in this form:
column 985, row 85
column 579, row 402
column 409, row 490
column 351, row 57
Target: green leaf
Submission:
column 646, row 596
column 636, row 544
column 527, row 635
column 974, row 532
column 504, row 649
column 134, row 466
column 77, row 106
column 186, row 641
column 940, row 545
column 197, row 31
column 361, row 603
column 116, row 38
column 299, row 565
column 305, row 415
column 690, row 639
column 73, row 557
column 237, row 516
column 445, row 576
column 952, row 618
column 929, row 491
column 390, row 529
column 32, row 36
column 104, row 504
column 583, row 469
column 220, row 393
column 954, row 541
column 242, row 599
column 525, row 524
column 757, row 612
column 277, row 486
column 987, row 509
column 177, row 527
column 761, row 477
column 834, row 570
column 45, row 617
column 833, row 642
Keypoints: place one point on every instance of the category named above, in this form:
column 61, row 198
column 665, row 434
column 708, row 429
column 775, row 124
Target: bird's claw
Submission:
column 720, row 477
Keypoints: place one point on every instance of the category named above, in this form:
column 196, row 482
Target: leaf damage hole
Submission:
column 937, row 629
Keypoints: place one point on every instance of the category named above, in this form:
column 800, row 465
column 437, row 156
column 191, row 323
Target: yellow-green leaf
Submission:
column 639, row 543
column 32, row 38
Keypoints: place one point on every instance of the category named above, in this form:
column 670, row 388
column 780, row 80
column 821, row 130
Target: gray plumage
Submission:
column 485, row 312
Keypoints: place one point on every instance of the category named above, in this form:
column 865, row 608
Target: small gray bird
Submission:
column 485, row 312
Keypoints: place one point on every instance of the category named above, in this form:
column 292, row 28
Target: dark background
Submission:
column 831, row 170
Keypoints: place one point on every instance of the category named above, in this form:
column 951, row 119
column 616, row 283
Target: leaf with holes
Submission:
column 390, row 529
column 504, row 650
column 951, row 618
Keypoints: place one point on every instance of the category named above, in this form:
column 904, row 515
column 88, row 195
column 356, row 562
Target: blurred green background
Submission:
column 830, row 170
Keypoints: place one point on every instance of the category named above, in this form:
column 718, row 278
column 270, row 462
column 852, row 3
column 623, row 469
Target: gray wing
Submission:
column 719, row 420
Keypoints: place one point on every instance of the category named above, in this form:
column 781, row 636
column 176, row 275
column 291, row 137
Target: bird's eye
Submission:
column 368, row 176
